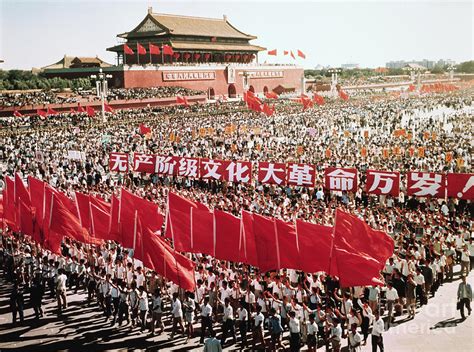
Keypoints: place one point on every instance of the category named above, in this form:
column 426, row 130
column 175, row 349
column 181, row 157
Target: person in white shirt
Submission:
column 157, row 312
column 391, row 295
column 355, row 339
column 335, row 335
column 206, row 319
column 312, row 333
column 242, row 318
column 228, row 322
column 377, row 331
column 143, row 305
column 177, row 313
column 295, row 337
column 258, row 328
column 115, row 294
column 61, row 290
column 420, row 286
column 189, row 306
column 465, row 261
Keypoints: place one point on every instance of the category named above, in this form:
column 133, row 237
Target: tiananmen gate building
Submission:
column 206, row 54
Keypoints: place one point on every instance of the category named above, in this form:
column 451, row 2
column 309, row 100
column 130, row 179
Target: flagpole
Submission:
column 332, row 242
column 162, row 57
column 150, row 53
column 138, row 55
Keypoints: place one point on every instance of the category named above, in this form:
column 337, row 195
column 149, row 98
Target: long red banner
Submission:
column 421, row 184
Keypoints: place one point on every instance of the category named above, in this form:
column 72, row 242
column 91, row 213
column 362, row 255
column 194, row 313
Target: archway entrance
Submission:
column 211, row 93
column 265, row 90
column 252, row 89
column 231, row 91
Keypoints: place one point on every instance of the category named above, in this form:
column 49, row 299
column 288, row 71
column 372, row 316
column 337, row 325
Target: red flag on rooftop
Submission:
column 144, row 129
column 41, row 112
column 141, row 49
column 292, row 55
column 182, row 100
column 108, row 108
column 167, row 50
column 90, row 111
column 285, row 52
column 154, row 49
column 51, row 111
column 127, row 50
column 272, row 52
column 343, row 95
column 271, row 95
column 301, row 54
column 16, row 113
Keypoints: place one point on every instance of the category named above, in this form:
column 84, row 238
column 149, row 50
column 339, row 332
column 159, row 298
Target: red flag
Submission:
column 158, row 255
column 80, row 108
column 301, row 54
column 64, row 222
column 287, row 244
column 16, row 113
column 227, row 236
column 141, row 49
column 292, row 55
column 248, row 249
column 318, row 99
column 154, row 49
column 51, row 111
column 127, row 50
column 9, row 213
column 314, row 243
column 355, row 234
column 21, row 193
column 99, row 223
column 267, row 110
column 343, row 95
column 100, row 203
column 266, row 243
column 83, row 210
column 90, row 111
column 143, row 129
column 272, row 52
column 202, row 230
column 271, row 95
column 26, row 219
column 37, row 188
column 131, row 207
column 114, row 225
column 178, row 225
column 41, row 112
column 285, row 52
column 167, row 50
column 182, row 100
column 108, row 108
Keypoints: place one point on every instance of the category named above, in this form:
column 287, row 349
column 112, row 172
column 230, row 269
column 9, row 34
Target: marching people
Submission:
column 464, row 297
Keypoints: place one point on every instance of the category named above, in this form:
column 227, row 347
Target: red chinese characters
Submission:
column 340, row 179
column 301, row 175
column 144, row 163
column 461, row 186
column 118, row 162
column 426, row 184
column 273, row 173
column 383, row 182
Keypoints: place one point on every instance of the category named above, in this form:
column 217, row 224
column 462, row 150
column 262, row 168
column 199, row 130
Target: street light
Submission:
column 101, row 86
column 334, row 72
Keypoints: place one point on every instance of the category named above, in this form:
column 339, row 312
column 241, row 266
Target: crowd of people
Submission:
column 430, row 235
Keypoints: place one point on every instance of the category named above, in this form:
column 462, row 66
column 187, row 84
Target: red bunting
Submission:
column 127, row 50
column 154, row 49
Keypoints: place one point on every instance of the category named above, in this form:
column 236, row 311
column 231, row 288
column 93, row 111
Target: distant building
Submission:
column 429, row 64
column 77, row 62
column 350, row 66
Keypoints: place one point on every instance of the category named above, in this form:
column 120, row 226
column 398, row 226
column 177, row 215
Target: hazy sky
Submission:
column 36, row 33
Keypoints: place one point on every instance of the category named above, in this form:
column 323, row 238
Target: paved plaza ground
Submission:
column 436, row 327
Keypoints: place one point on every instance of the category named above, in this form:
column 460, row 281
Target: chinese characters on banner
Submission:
column 426, row 184
column 420, row 184
column 382, row 182
column 340, row 179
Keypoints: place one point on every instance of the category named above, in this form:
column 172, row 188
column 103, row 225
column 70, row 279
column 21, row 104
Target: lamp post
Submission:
column 451, row 69
column 101, row 86
column 334, row 72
